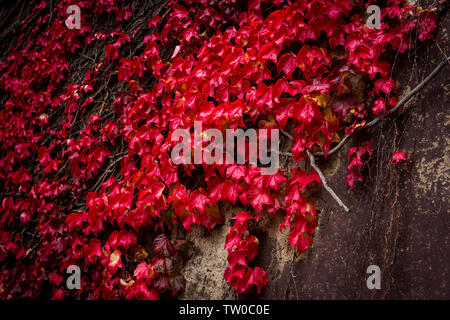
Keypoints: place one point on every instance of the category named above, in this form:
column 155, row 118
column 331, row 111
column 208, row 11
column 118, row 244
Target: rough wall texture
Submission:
column 400, row 216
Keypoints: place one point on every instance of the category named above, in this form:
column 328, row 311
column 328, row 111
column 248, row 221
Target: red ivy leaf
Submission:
column 399, row 156
column 287, row 64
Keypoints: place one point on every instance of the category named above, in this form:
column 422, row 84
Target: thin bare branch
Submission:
column 286, row 134
column 324, row 181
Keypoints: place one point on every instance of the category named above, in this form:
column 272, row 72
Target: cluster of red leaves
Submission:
column 232, row 67
column 356, row 153
column 242, row 248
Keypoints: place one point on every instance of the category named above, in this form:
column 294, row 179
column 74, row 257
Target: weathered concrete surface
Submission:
column 400, row 217
column 204, row 271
